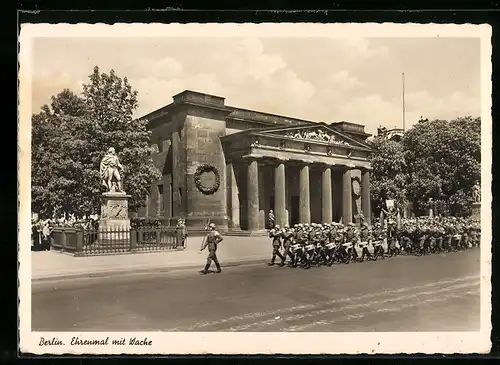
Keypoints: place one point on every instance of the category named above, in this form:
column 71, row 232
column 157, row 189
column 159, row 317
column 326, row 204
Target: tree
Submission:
column 56, row 171
column 444, row 163
column 388, row 177
column 71, row 136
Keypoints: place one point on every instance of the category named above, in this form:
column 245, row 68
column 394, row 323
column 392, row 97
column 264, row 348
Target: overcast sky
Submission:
column 320, row 79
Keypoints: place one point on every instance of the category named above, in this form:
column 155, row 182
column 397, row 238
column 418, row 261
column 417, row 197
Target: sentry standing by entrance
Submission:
column 212, row 240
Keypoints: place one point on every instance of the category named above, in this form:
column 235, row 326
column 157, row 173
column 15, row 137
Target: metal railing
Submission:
column 108, row 241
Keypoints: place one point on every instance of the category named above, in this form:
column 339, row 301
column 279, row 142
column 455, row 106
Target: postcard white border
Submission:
column 256, row 343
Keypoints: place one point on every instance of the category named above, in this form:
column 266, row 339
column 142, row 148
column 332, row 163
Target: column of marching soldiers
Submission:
column 317, row 244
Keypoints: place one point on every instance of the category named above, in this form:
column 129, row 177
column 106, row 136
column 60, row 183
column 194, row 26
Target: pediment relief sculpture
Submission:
column 315, row 135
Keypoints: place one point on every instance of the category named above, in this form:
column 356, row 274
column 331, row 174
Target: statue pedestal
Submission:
column 476, row 210
column 114, row 225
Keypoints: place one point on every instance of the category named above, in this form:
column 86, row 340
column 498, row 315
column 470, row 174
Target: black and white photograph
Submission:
column 254, row 188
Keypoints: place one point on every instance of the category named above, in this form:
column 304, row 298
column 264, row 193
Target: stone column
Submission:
column 365, row 196
column 167, row 196
column 174, row 143
column 253, row 195
column 233, row 197
column 326, row 195
column 346, row 197
column 280, row 194
column 305, row 196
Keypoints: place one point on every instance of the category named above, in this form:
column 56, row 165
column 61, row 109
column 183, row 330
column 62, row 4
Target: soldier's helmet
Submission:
column 277, row 227
column 211, row 225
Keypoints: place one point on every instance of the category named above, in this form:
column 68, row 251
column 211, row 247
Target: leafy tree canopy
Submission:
column 438, row 160
column 69, row 138
column 388, row 177
column 444, row 162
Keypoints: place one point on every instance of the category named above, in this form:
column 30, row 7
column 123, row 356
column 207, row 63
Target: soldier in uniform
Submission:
column 421, row 236
column 287, row 242
column 212, row 240
column 181, row 233
column 300, row 238
column 310, row 247
column 325, row 239
column 276, row 235
column 364, row 241
column 439, row 235
column 272, row 219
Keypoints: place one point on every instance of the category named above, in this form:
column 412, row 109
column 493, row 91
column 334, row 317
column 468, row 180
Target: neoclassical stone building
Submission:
column 233, row 166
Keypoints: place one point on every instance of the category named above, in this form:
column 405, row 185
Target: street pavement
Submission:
column 46, row 265
column 406, row 293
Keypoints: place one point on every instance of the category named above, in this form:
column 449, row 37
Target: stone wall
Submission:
column 201, row 135
column 171, row 162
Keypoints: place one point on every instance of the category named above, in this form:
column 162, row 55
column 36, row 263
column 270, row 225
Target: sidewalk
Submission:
column 232, row 251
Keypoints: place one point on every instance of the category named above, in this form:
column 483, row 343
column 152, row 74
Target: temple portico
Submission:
column 232, row 166
column 297, row 191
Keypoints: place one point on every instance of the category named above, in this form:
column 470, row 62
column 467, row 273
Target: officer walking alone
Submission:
column 212, row 240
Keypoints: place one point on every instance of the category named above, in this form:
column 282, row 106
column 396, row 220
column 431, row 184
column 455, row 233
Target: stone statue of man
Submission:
column 110, row 171
column 476, row 193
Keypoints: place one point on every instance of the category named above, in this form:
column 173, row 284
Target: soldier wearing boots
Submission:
column 276, row 235
column 287, row 242
column 301, row 239
column 212, row 240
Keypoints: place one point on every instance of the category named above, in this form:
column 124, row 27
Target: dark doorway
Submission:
column 294, row 210
column 243, row 213
column 171, row 199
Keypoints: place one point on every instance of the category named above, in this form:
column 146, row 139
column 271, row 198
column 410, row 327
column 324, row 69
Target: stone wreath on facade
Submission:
column 356, row 187
column 207, row 190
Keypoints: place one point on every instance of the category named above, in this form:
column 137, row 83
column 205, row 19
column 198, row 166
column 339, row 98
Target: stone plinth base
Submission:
column 476, row 210
column 114, row 225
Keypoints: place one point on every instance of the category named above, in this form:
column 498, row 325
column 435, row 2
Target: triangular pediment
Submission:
column 314, row 133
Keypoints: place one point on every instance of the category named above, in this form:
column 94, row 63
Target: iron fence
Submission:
column 108, row 241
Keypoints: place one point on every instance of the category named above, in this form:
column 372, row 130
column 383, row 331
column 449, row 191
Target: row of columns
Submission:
column 304, row 195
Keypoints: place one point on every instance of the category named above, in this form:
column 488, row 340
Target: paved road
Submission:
column 432, row 293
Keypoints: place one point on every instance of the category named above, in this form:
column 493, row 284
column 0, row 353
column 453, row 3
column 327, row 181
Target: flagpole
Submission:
column 404, row 121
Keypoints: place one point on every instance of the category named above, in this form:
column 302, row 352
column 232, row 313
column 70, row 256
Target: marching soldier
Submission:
column 276, row 235
column 212, row 240
column 310, row 245
column 287, row 242
column 301, row 239
column 364, row 238
column 324, row 241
